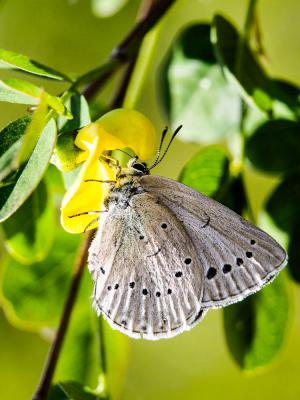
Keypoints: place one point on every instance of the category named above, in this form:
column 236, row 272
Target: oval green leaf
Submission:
column 283, row 204
column 207, row 171
column 29, row 233
column 16, row 189
column 195, row 92
column 256, row 327
column 12, row 60
column 275, row 146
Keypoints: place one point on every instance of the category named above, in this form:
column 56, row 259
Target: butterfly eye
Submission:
column 140, row 167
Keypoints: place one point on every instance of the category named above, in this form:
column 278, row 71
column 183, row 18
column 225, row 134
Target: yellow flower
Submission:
column 117, row 129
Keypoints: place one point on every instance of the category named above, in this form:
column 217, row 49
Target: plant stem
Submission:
column 46, row 379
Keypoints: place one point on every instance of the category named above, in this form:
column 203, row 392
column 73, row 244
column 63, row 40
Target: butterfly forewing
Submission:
column 236, row 257
column 148, row 276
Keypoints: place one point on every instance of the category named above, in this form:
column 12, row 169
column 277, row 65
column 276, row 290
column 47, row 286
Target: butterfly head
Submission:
column 137, row 168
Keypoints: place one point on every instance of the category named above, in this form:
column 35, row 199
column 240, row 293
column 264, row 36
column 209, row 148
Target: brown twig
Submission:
column 44, row 385
column 127, row 50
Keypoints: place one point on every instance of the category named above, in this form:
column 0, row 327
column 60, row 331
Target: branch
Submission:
column 126, row 51
column 44, row 386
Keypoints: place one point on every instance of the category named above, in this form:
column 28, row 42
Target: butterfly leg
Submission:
column 99, row 181
column 87, row 213
column 111, row 162
column 90, row 223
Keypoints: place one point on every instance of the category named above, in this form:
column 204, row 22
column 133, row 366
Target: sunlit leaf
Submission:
column 33, row 296
column 275, row 146
column 32, row 132
column 195, row 92
column 23, row 92
column 29, row 233
column 283, row 204
column 12, row 60
column 16, row 189
column 256, row 327
column 207, row 171
column 107, row 8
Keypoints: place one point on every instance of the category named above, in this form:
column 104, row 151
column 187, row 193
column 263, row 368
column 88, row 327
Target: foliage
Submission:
column 212, row 81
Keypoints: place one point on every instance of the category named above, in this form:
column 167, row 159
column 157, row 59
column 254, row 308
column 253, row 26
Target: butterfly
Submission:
column 165, row 254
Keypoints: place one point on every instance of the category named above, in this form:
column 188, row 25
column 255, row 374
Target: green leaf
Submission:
column 107, row 8
column 33, row 296
column 79, row 108
column 294, row 254
column 29, row 233
column 10, row 143
column 195, row 91
column 233, row 195
column 79, row 358
column 275, row 146
column 23, row 92
column 207, row 171
column 283, row 204
column 256, row 327
column 11, row 60
column 243, row 69
column 32, row 133
column 12, row 132
column 16, row 189
column 240, row 65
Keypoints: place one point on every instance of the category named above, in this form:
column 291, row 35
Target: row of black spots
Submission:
column 109, row 287
column 145, row 291
column 212, row 272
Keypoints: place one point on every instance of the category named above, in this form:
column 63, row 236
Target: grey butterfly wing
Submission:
column 237, row 257
column 148, row 280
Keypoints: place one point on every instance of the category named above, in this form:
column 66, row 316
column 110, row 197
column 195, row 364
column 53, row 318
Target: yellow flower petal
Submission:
column 117, row 129
column 133, row 129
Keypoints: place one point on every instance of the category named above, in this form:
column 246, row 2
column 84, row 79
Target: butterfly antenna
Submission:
column 163, row 135
column 158, row 158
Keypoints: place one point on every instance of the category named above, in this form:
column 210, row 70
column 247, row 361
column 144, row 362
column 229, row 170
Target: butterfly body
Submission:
column 164, row 254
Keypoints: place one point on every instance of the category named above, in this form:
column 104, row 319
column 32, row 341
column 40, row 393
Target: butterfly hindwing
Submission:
column 148, row 278
column 236, row 257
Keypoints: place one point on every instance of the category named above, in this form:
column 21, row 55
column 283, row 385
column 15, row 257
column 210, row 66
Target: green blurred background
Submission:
column 66, row 35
